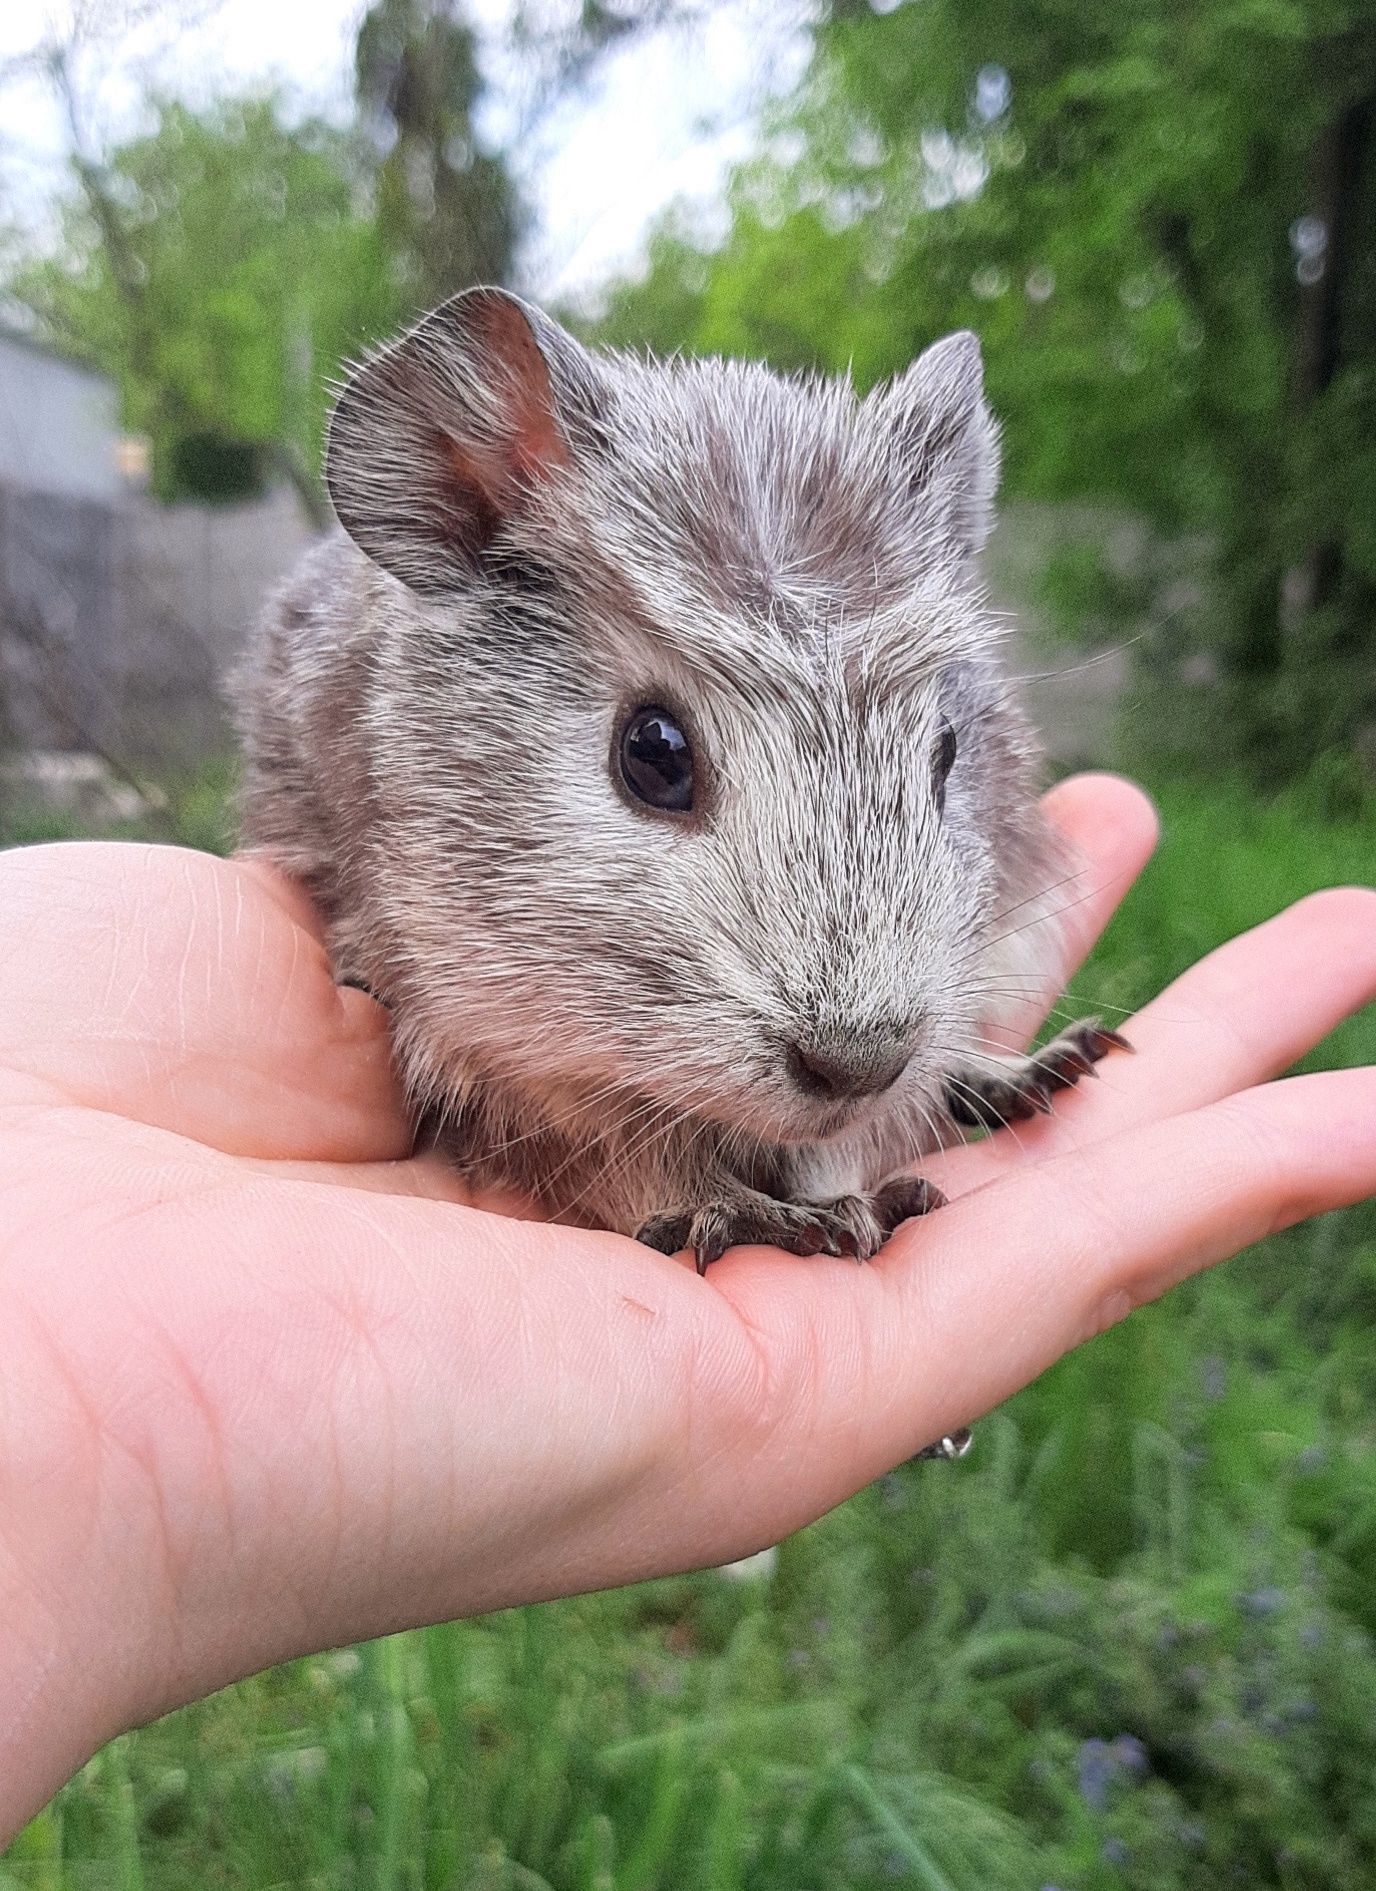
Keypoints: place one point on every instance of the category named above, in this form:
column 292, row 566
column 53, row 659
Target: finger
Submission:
column 1107, row 829
column 1238, row 1018
column 187, row 992
column 964, row 1308
column 1249, row 1010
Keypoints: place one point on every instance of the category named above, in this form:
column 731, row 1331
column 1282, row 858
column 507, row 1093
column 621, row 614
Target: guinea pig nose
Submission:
column 860, row 1066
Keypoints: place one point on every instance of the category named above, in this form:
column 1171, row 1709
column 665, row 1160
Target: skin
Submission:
column 269, row 1384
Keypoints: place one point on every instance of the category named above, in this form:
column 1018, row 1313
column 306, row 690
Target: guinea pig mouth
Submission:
column 832, row 1131
column 809, row 1121
column 769, row 1112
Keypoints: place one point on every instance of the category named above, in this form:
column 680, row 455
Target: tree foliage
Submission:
column 217, row 266
column 225, row 262
column 1162, row 222
column 447, row 210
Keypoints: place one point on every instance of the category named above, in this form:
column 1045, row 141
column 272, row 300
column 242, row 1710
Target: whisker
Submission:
column 982, row 1103
column 1058, row 913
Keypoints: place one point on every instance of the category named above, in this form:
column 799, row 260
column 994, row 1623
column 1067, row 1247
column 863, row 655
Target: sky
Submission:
column 663, row 118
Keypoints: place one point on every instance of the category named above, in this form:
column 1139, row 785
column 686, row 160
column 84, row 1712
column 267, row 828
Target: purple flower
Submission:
column 1097, row 1769
column 1259, row 1602
column 1130, row 1754
column 1101, row 1763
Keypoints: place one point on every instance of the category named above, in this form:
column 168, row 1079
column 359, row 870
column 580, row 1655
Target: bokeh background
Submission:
column 1129, row 1641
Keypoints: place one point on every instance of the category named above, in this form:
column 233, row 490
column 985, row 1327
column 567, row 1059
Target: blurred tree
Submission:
column 1162, row 221
column 560, row 42
column 219, row 267
column 447, row 211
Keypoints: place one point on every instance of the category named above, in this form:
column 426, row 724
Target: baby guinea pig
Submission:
column 641, row 739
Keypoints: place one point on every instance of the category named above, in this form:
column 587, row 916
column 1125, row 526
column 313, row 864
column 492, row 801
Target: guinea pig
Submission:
column 642, row 739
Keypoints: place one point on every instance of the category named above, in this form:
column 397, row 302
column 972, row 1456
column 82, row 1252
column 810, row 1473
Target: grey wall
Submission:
column 118, row 621
column 118, row 616
column 59, row 424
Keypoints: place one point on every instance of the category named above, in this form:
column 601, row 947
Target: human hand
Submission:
column 269, row 1383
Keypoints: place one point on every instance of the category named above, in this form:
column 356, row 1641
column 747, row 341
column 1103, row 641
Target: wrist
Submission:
column 73, row 1608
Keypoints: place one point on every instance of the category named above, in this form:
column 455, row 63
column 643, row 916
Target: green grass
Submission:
column 196, row 811
column 1127, row 1643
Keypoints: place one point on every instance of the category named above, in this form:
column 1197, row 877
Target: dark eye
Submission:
column 943, row 762
column 656, row 761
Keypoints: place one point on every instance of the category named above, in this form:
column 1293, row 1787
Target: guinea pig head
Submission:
column 699, row 781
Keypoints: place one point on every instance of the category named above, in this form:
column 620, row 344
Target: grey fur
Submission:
column 592, row 1000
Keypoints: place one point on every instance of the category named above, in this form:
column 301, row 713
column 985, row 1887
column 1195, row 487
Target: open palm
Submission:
column 268, row 1382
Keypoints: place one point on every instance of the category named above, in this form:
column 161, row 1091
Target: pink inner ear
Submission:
column 492, row 477
column 534, row 444
column 537, row 446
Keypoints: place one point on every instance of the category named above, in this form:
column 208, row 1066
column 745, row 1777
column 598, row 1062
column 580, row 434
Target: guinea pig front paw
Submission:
column 1010, row 1089
column 857, row 1225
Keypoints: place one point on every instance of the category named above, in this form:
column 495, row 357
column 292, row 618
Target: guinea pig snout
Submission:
column 841, row 1065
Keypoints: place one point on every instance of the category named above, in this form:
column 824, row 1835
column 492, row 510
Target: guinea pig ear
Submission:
column 946, row 438
column 441, row 437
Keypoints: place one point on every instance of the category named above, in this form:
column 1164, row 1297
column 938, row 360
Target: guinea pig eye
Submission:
column 656, row 761
column 943, row 762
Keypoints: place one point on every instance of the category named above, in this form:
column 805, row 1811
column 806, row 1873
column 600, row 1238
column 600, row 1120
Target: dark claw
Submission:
column 1065, row 1068
column 667, row 1234
column 711, row 1234
column 1027, row 1089
column 904, row 1199
column 1111, row 1040
column 970, row 1112
column 1020, row 1105
column 853, row 1225
column 954, row 1445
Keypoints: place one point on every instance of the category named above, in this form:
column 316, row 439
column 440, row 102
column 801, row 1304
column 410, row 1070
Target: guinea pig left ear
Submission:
column 945, row 437
column 443, row 436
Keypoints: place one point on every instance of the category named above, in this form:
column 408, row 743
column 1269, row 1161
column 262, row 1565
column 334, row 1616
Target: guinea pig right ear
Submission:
column 441, row 437
column 946, row 440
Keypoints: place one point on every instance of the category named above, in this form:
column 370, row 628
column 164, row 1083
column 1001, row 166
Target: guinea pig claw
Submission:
column 947, row 1449
column 906, row 1198
column 1064, row 1068
column 1012, row 1089
column 852, row 1225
